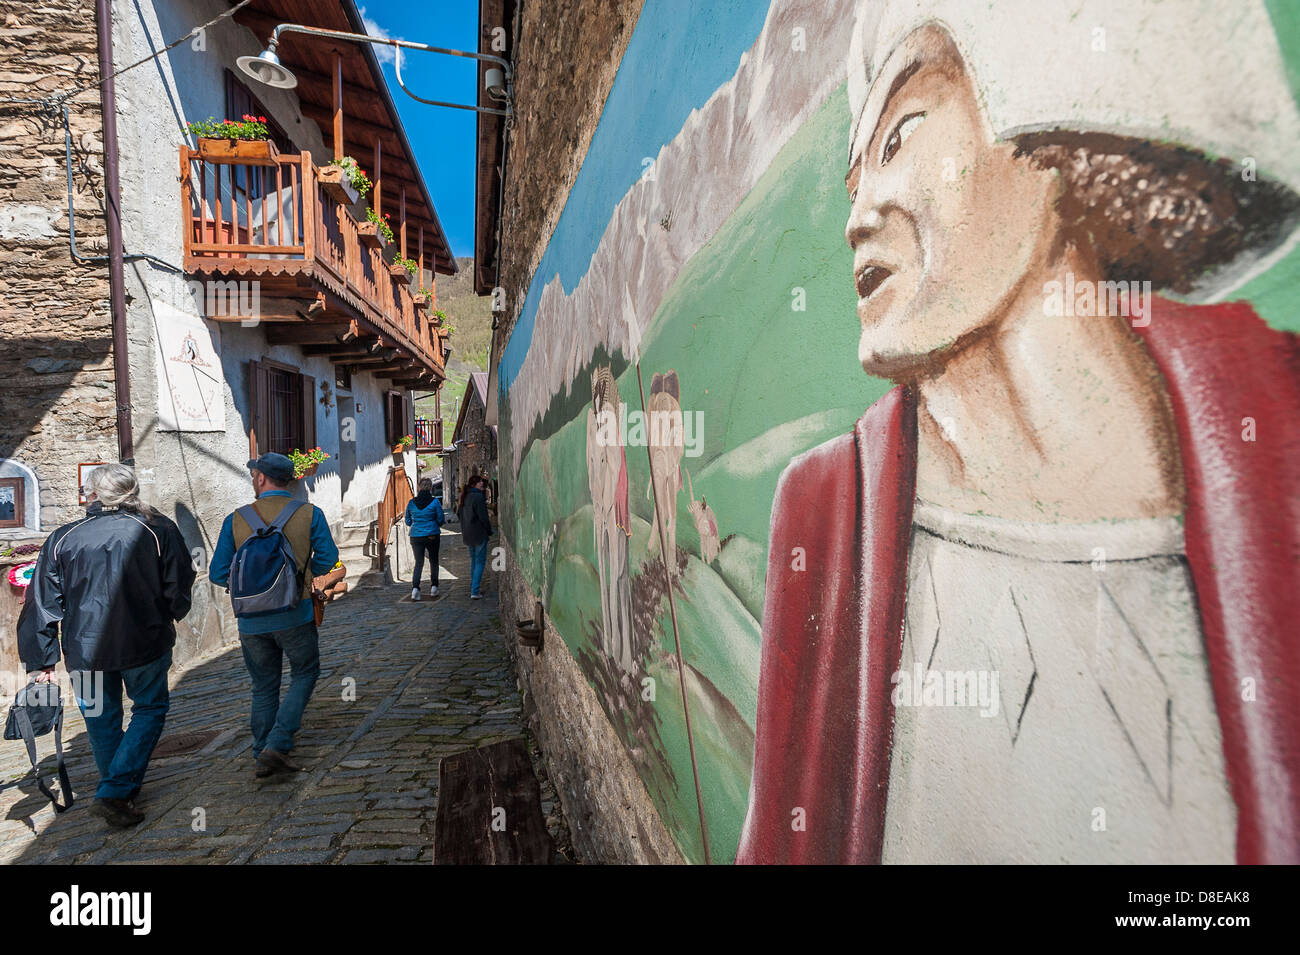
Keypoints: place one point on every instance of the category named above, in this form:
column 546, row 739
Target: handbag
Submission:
column 37, row 710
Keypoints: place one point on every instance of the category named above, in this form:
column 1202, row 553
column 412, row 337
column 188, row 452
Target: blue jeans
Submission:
column 477, row 561
column 123, row 757
column 274, row 721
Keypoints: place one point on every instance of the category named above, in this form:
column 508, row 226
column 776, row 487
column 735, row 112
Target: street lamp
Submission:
column 266, row 67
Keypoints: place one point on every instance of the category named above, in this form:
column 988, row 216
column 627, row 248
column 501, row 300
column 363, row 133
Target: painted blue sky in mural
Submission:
column 679, row 54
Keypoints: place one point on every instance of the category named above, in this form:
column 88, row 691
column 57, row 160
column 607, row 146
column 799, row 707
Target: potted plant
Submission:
column 402, row 269
column 404, row 443
column 243, row 143
column 422, row 298
column 375, row 232
column 306, row 462
column 437, row 316
column 344, row 180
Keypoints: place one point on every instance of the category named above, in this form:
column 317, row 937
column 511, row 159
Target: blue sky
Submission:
column 443, row 139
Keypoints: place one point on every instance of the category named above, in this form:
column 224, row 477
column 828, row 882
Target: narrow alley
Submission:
column 402, row 685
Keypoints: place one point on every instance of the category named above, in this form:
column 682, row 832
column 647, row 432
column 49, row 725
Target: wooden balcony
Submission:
column 318, row 284
column 428, row 434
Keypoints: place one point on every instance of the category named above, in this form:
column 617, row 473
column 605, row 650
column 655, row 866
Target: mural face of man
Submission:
column 939, row 251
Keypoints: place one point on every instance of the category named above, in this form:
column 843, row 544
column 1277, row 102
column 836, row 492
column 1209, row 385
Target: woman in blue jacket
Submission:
column 425, row 519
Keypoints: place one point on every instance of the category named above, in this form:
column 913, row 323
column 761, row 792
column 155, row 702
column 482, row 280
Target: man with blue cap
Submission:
column 269, row 637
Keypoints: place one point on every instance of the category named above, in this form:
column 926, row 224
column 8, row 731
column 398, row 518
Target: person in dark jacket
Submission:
column 425, row 519
column 475, row 528
column 114, row 582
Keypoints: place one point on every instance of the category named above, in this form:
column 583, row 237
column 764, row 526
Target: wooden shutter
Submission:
column 394, row 417
column 259, row 397
column 308, row 433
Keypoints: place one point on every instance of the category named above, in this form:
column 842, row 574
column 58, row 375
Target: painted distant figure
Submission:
column 666, row 437
column 611, row 517
column 706, row 524
column 1061, row 492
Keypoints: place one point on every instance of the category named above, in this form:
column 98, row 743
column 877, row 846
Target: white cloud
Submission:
column 386, row 54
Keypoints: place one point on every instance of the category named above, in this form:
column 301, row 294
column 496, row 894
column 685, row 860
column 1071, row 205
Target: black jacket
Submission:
column 115, row 580
column 475, row 524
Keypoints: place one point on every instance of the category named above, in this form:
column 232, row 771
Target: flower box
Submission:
column 337, row 185
column 420, row 300
column 370, row 236
column 306, row 462
column 239, row 152
column 399, row 273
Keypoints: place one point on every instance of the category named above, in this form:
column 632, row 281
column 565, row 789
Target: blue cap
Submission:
column 275, row 466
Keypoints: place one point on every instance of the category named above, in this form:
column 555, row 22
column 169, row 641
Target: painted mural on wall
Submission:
column 945, row 510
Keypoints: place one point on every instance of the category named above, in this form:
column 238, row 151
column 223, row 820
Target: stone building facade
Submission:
column 57, row 407
column 473, row 447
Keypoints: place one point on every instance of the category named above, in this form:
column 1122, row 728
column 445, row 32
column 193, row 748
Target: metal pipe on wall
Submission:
column 113, row 217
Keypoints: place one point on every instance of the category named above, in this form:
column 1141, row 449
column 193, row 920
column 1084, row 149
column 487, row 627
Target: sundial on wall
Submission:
column 191, row 389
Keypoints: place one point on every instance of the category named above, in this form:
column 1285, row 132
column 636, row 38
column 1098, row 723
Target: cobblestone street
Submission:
column 431, row 679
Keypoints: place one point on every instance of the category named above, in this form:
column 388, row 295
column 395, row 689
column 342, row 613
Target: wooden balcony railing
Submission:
column 428, row 434
column 272, row 220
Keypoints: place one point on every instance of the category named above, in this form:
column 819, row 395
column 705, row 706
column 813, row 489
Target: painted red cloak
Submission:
column 833, row 626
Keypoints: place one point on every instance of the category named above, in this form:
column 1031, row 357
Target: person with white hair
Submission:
column 1081, row 496
column 112, row 584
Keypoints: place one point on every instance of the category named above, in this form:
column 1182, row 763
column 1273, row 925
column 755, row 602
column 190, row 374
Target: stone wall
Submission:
column 57, row 405
column 568, row 56
column 478, row 455
column 611, row 817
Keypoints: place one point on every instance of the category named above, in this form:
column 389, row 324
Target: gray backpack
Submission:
column 264, row 575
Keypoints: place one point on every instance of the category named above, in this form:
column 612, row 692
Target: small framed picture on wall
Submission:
column 83, row 476
column 11, row 502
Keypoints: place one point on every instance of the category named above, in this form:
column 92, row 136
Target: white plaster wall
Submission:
column 197, row 478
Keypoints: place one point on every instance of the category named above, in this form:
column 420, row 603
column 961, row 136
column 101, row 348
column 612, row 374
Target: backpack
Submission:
column 37, row 710
column 264, row 574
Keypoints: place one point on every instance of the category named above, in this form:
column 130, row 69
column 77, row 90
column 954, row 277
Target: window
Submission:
column 394, row 417
column 241, row 102
column 342, row 378
column 12, row 507
column 285, row 419
column 283, row 408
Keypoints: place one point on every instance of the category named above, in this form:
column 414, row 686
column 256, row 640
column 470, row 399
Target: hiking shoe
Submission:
column 433, row 591
column 415, row 593
column 260, row 769
column 278, row 762
column 118, row 813
column 475, row 596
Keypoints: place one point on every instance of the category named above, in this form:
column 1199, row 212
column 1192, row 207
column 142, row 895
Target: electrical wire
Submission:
column 57, row 106
column 153, row 56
